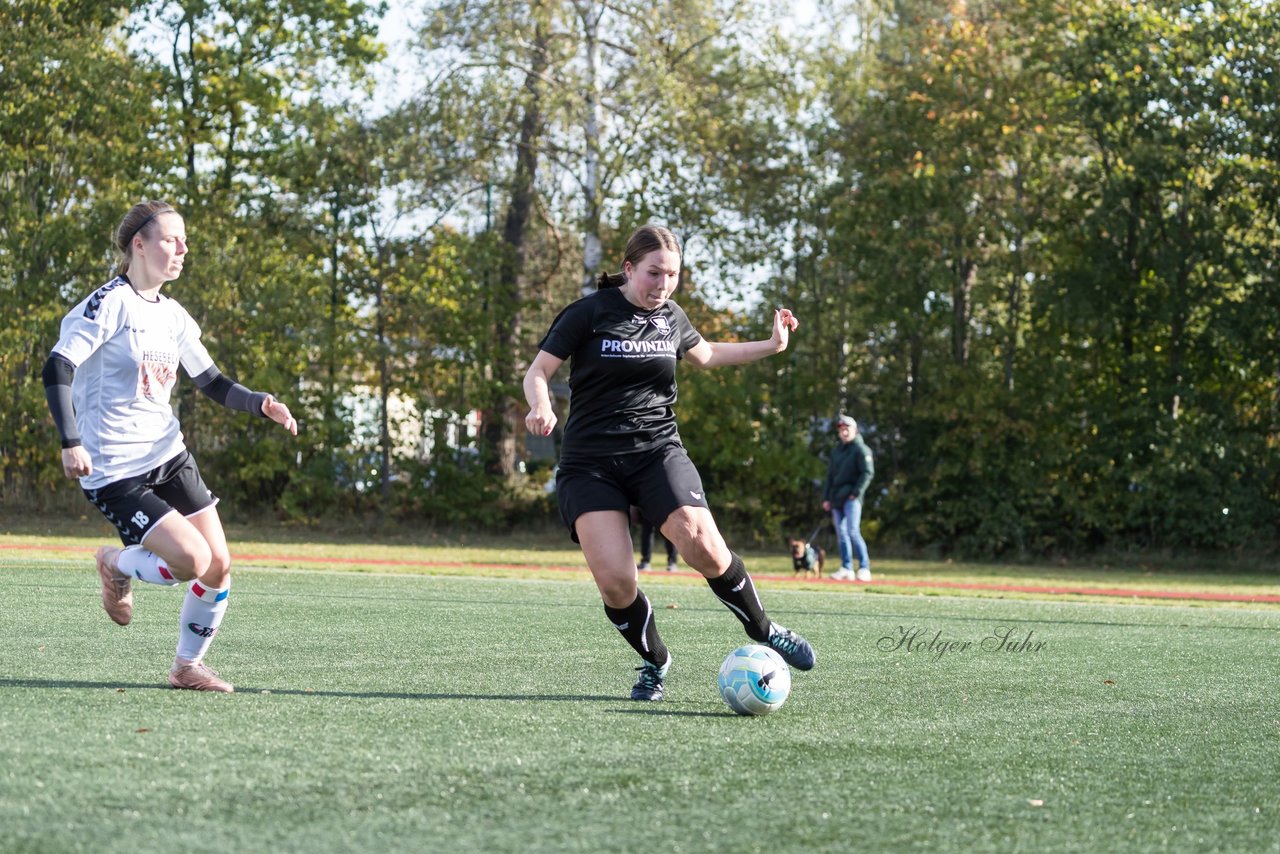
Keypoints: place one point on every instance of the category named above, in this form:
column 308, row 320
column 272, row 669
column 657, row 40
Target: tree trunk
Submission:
column 384, row 381
column 1181, row 312
column 966, row 275
column 501, row 417
column 592, row 246
column 1017, row 276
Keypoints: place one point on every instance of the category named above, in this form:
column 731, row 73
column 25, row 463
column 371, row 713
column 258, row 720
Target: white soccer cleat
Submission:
column 864, row 574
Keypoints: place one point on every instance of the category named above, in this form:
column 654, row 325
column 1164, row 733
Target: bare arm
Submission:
column 537, row 393
column 707, row 354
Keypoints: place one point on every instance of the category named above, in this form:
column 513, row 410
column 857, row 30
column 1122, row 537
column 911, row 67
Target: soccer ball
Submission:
column 754, row 680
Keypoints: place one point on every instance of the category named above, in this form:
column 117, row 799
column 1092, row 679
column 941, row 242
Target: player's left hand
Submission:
column 279, row 413
column 784, row 323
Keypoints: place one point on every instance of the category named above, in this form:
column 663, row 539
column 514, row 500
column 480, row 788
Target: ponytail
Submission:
column 610, row 280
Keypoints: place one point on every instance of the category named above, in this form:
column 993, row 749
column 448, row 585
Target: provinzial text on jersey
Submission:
column 610, row 346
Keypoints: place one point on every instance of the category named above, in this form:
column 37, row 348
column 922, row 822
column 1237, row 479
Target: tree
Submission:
column 1169, row 103
column 237, row 84
column 68, row 171
column 618, row 113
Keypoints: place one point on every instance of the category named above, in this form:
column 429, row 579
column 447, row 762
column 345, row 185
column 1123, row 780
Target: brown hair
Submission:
column 646, row 239
column 137, row 221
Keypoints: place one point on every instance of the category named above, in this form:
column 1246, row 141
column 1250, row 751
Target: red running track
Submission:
column 1047, row 590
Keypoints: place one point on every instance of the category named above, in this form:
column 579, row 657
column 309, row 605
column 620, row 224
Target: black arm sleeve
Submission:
column 57, row 376
column 230, row 394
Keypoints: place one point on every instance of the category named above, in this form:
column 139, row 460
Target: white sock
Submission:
column 137, row 562
column 202, row 611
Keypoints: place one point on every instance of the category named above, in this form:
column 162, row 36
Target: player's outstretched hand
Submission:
column 279, row 413
column 784, row 323
column 76, row 462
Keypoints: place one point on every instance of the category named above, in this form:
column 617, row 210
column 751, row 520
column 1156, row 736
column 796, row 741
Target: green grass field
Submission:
column 388, row 712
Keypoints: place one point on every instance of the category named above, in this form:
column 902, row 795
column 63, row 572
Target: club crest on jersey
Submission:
column 155, row 378
column 658, row 320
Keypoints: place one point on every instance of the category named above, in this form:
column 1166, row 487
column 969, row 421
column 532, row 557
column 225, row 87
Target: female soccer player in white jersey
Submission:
column 108, row 383
column 621, row 447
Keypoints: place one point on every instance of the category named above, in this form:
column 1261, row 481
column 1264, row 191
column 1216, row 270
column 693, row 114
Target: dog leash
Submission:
column 814, row 535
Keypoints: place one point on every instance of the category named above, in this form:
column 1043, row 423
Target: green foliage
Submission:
column 67, row 169
column 452, row 490
column 760, row 484
column 1036, row 241
column 1033, row 248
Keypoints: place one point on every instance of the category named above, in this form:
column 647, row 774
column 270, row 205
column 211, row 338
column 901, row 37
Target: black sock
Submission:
column 636, row 624
column 736, row 591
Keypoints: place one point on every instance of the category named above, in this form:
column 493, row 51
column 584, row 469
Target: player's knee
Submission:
column 697, row 538
column 219, row 568
column 706, row 552
column 618, row 593
column 683, row 526
column 192, row 561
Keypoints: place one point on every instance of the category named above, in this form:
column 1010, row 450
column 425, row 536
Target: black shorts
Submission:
column 657, row 482
column 136, row 504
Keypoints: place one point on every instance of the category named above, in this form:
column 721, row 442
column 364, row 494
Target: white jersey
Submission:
column 126, row 351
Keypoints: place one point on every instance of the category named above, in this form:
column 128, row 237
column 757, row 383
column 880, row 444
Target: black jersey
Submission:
column 622, row 372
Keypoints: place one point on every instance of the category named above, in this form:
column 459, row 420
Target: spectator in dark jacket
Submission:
column 848, row 474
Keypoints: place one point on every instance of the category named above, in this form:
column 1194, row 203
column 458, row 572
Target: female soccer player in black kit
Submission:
column 621, row 447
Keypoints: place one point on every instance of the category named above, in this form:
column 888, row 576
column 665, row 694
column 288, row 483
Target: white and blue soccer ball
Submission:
column 754, row 680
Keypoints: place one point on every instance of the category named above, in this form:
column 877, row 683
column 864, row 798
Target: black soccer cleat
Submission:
column 649, row 686
column 794, row 649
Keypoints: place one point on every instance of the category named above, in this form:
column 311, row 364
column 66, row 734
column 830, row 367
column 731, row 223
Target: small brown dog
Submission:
column 807, row 558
